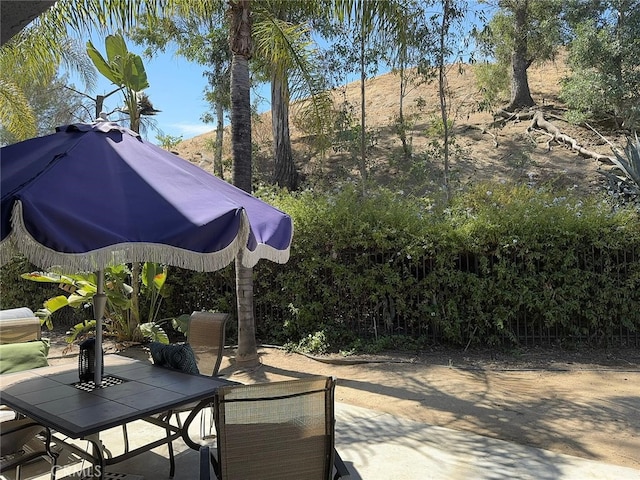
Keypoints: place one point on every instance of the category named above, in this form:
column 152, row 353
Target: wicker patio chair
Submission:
column 205, row 337
column 21, row 442
column 278, row 430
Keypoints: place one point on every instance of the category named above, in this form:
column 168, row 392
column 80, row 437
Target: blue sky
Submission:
column 176, row 87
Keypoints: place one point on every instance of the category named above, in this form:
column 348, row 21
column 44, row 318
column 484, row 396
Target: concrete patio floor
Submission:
column 378, row 446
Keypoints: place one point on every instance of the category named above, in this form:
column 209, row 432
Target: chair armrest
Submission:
column 16, row 433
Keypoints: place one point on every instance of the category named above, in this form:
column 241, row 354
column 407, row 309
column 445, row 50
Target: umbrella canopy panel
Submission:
column 93, row 195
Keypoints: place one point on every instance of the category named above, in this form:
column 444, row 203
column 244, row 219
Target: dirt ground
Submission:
column 583, row 403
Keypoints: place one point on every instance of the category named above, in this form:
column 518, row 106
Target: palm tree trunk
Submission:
column 241, row 46
column 247, row 352
column 241, row 122
column 285, row 168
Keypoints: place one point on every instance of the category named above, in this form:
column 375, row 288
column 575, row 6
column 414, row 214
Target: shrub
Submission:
column 503, row 264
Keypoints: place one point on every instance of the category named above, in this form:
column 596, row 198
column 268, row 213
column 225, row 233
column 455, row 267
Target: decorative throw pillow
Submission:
column 175, row 356
column 15, row 357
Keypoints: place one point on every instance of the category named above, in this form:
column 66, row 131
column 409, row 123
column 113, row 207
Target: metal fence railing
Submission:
column 370, row 318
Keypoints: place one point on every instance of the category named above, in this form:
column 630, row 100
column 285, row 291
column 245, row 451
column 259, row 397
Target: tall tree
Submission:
column 408, row 54
column 241, row 44
column 204, row 40
column 349, row 53
column 284, row 53
column 451, row 15
column 380, row 22
column 520, row 33
column 219, row 92
column 448, row 14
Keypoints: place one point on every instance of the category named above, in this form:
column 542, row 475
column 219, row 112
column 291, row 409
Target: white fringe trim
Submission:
column 251, row 258
column 20, row 240
column 7, row 251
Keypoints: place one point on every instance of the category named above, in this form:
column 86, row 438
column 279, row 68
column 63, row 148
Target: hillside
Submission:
column 518, row 155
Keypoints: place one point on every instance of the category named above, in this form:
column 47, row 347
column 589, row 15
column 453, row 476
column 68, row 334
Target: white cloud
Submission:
column 188, row 130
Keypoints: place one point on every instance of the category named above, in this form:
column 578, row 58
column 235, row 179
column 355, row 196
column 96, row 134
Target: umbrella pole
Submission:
column 99, row 302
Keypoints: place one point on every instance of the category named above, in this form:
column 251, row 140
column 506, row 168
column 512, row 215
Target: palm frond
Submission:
column 29, row 58
column 74, row 58
column 287, row 51
column 15, row 113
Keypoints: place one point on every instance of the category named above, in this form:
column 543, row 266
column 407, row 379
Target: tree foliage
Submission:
column 26, row 73
column 54, row 105
column 202, row 39
column 604, row 57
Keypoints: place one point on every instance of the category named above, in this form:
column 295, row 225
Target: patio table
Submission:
column 131, row 390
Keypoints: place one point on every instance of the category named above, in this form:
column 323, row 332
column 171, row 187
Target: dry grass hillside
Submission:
column 506, row 153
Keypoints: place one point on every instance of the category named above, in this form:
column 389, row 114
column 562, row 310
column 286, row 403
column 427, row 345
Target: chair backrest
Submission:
column 206, row 337
column 276, row 430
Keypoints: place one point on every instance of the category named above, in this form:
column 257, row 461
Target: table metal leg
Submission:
column 98, row 454
column 52, row 455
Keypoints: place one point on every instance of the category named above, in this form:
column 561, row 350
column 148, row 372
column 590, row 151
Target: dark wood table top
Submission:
column 51, row 396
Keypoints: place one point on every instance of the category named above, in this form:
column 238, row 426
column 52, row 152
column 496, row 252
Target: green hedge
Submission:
column 503, row 264
column 501, row 261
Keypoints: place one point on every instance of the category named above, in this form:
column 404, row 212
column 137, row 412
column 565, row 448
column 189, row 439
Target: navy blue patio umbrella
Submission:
column 95, row 195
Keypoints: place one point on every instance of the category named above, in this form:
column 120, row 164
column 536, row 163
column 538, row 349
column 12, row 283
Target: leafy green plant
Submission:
column 315, row 343
column 125, row 69
column 492, row 80
column 603, row 85
column 169, row 142
column 629, row 159
column 80, row 289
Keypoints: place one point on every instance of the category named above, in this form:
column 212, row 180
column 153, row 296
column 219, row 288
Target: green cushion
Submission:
column 15, row 357
column 175, row 356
